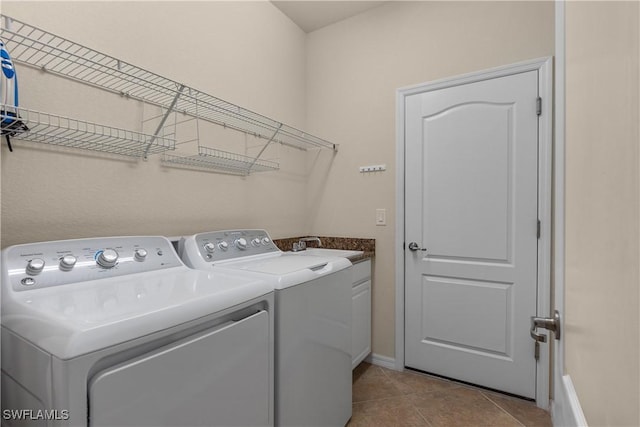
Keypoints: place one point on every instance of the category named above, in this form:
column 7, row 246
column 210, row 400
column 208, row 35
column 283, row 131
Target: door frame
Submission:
column 544, row 66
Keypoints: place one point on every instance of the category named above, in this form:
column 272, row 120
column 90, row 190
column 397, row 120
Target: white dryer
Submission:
column 313, row 320
column 119, row 332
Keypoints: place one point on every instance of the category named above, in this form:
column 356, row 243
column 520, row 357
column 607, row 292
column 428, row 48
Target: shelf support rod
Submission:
column 164, row 119
column 264, row 148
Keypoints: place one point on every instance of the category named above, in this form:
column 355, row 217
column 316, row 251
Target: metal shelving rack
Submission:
column 208, row 158
column 40, row 49
column 58, row 130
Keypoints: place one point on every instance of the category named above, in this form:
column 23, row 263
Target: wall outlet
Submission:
column 381, row 217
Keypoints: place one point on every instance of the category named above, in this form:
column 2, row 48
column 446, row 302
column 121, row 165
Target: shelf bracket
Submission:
column 264, row 148
column 164, row 119
column 7, row 22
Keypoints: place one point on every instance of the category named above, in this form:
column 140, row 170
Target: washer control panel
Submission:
column 40, row 265
column 230, row 244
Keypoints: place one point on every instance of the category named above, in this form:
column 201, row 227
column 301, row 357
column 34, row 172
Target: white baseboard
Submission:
column 384, row 361
column 565, row 408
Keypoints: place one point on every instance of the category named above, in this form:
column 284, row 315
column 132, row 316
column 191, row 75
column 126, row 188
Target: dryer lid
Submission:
column 71, row 320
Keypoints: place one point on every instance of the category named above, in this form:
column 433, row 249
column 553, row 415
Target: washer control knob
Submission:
column 140, row 254
column 35, row 266
column 241, row 243
column 209, row 247
column 255, row 242
column 266, row 240
column 107, row 258
column 223, row 246
column 67, row 262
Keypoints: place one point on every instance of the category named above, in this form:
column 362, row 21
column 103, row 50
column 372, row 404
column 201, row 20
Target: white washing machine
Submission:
column 119, row 332
column 313, row 320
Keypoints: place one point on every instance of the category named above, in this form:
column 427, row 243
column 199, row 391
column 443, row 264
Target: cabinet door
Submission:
column 361, row 323
column 218, row 378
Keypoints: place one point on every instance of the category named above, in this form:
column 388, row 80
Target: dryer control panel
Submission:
column 233, row 244
column 40, row 265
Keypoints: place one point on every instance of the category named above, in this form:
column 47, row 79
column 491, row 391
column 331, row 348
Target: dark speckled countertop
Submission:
column 368, row 246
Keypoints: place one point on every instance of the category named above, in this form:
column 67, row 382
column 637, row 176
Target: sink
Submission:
column 329, row 252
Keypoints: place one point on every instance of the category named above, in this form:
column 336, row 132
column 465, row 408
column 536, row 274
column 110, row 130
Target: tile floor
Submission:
column 383, row 397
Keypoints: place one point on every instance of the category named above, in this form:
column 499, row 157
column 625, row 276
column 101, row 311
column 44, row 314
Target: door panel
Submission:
column 451, row 228
column 471, row 205
column 462, row 303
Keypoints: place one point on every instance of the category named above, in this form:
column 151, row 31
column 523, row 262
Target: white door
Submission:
column 471, row 214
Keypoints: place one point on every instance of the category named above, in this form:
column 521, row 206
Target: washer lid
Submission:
column 75, row 319
column 284, row 264
column 285, row 269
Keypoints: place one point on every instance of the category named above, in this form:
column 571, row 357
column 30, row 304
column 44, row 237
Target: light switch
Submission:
column 381, row 217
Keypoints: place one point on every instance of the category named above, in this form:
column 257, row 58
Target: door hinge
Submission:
column 539, row 106
column 538, row 229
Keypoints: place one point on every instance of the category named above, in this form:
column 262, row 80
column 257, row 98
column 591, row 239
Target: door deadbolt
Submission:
column 550, row 323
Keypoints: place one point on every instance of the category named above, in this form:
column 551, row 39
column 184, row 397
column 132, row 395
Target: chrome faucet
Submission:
column 302, row 243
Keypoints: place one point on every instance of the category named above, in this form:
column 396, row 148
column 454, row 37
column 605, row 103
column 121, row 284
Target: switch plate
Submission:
column 381, row 217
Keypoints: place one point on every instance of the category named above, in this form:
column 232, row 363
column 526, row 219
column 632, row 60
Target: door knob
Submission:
column 413, row 246
column 550, row 323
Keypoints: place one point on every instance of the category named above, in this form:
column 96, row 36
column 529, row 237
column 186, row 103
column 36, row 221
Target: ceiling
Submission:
column 312, row 15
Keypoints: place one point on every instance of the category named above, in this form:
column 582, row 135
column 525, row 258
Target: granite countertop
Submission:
column 368, row 246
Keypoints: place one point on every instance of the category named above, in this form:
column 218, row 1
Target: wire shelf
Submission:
column 58, row 130
column 34, row 47
column 209, row 158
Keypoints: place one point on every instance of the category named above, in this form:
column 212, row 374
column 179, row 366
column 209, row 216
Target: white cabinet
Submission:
column 361, row 312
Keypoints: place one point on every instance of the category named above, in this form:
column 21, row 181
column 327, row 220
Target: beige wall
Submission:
column 248, row 53
column 602, row 209
column 354, row 69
